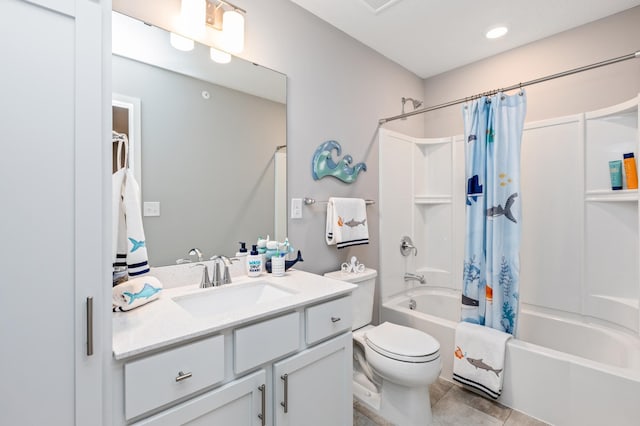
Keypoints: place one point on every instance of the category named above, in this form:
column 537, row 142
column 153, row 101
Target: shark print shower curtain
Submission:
column 493, row 134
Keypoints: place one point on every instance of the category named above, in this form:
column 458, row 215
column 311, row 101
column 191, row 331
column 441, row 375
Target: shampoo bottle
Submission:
column 254, row 262
column 630, row 171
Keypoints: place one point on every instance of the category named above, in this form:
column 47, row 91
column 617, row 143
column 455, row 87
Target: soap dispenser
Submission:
column 254, row 262
column 241, row 255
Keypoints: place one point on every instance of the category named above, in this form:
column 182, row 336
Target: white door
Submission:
column 239, row 403
column 313, row 388
column 51, row 228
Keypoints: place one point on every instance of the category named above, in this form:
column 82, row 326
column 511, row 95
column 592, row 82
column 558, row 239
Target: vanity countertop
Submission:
column 163, row 322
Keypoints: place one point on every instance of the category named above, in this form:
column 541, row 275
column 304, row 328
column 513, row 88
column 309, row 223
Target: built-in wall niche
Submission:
column 612, row 243
column 610, row 133
column 432, row 219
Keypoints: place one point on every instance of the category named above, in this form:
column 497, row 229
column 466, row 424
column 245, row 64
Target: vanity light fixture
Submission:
column 198, row 15
column 229, row 19
column 219, row 56
column 496, row 32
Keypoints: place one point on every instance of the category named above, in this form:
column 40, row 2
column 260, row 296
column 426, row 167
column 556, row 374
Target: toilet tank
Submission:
column 362, row 296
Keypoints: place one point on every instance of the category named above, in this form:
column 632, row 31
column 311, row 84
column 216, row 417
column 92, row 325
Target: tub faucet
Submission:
column 414, row 277
column 218, row 262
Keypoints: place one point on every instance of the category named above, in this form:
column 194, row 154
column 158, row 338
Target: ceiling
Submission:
column 429, row 37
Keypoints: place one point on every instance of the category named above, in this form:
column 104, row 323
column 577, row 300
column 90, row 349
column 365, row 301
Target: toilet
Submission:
column 393, row 365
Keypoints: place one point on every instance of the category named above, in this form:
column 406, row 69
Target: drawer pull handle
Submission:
column 183, row 376
column 285, row 403
column 263, row 401
column 335, row 319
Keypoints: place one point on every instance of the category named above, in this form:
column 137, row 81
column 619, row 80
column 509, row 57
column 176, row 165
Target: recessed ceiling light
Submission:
column 496, row 32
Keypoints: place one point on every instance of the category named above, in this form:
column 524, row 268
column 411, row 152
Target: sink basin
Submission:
column 225, row 299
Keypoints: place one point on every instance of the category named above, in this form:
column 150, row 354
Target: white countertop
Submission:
column 163, row 322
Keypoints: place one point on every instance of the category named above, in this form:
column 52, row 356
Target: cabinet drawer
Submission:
column 265, row 341
column 159, row 379
column 327, row 319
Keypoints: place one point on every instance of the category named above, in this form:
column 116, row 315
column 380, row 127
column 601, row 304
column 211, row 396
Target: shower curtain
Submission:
column 493, row 134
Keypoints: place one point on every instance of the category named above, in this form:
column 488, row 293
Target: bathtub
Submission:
column 561, row 369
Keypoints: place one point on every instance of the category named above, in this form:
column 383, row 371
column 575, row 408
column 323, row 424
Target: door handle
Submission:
column 262, row 415
column 89, row 326
column 285, row 403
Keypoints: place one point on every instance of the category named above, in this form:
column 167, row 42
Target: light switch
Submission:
column 151, row 208
column 296, row 208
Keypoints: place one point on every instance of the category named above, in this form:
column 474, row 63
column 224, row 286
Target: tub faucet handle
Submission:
column 407, row 247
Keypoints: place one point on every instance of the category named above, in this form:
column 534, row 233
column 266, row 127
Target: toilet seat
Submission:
column 402, row 343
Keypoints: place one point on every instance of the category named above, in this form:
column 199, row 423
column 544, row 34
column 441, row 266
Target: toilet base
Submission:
column 398, row 404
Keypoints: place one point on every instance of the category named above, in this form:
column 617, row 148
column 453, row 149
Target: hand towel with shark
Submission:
column 135, row 292
column 478, row 361
column 346, row 222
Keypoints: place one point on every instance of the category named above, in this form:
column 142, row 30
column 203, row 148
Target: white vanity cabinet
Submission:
column 239, row 403
column 313, row 388
column 292, row 368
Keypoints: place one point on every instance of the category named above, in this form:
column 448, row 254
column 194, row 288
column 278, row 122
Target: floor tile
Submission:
column 480, row 403
column 519, row 419
column 451, row 411
column 438, row 389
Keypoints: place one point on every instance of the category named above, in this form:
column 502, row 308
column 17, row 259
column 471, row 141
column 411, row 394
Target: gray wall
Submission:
column 209, row 162
column 337, row 89
column 610, row 37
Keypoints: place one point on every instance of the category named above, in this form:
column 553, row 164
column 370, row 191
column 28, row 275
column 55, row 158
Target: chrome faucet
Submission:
column 226, row 276
column 192, row 252
column 197, row 252
column 414, row 277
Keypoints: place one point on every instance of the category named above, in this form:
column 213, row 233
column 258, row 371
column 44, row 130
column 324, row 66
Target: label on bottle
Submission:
column 254, row 266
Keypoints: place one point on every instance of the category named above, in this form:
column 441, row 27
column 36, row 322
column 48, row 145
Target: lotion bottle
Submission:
column 254, row 262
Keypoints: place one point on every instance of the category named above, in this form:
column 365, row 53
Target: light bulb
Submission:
column 194, row 12
column 233, row 31
column 181, row 43
column 219, row 56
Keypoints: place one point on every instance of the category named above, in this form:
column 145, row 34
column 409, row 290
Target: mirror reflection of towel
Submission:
column 347, row 222
column 128, row 232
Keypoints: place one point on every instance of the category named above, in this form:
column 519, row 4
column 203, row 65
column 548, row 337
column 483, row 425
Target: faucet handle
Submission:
column 204, row 282
column 215, row 280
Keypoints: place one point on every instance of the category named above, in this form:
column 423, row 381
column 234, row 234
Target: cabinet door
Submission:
column 313, row 388
column 55, row 184
column 239, row 403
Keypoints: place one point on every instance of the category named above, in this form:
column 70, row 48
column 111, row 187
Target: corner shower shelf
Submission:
column 625, row 195
column 432, row 199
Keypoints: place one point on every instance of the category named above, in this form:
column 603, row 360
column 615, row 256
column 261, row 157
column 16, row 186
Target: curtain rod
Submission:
column 514, row 86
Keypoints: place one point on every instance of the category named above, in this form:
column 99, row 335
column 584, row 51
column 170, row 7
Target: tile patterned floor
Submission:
column 454, row 406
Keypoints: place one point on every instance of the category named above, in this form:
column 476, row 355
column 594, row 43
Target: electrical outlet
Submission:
column 296, row 208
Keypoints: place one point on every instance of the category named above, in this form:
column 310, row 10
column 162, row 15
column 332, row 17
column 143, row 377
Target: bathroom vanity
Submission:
column 259, row 351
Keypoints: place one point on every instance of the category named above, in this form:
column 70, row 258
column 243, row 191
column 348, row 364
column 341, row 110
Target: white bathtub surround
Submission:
column 563, row 369
column 478, row 359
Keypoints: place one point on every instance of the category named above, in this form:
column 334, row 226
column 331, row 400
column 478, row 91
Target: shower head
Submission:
column 416, row 103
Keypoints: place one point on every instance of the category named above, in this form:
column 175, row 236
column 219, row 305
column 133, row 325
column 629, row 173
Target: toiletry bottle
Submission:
column 630, row 171
column 254, row 262
column 242, row 251
column 241, row 255
column 615, row 171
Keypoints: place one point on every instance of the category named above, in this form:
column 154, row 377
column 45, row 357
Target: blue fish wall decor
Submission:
column 323, row 164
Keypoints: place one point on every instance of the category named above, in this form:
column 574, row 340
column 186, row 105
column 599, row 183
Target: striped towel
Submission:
column 478, row 361
column 347, row 222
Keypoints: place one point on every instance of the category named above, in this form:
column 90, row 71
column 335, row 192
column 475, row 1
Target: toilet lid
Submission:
column 402, row 343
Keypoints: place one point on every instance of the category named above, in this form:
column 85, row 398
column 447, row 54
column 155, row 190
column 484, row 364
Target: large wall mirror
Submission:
column 212, row 143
